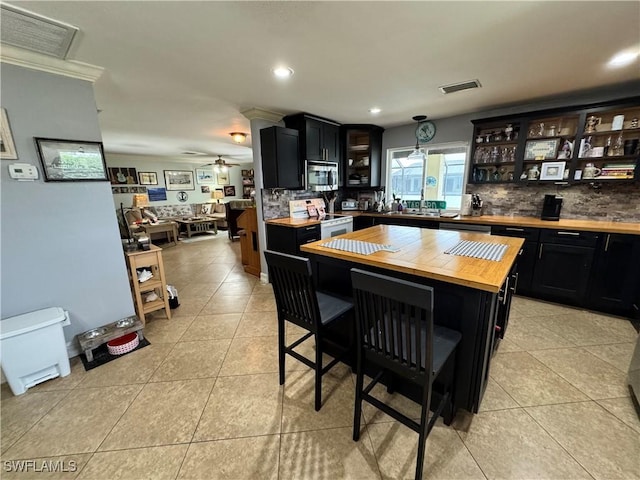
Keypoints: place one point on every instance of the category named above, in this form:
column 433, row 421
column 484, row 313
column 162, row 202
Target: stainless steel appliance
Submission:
column 363, row 205
column 350, row 205
column 333, row 225
column 551, row 207
column 320, row 176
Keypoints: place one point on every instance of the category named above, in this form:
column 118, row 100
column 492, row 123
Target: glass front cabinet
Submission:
column 598, row 143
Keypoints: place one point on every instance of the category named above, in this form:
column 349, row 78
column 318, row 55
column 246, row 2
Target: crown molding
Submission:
column 44, row 63
column 259, row 113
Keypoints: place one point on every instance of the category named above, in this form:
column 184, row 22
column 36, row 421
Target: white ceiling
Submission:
column 178, row 74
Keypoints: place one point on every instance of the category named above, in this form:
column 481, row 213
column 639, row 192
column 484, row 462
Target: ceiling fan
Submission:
column 220, row 164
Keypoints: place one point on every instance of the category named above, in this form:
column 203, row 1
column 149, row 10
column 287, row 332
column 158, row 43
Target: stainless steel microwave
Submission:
column 320, row 176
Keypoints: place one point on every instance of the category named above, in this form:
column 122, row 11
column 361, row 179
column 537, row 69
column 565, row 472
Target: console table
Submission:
column 198, row 225
column 169, row 228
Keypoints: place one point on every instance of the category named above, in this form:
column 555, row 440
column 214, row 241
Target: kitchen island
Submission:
column 471, row 295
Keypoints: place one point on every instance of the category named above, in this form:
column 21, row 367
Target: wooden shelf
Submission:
column 151, row 260
column 149, row 285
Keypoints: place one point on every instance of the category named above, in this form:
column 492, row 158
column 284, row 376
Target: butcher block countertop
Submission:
column 562, row 224
column 422, row 254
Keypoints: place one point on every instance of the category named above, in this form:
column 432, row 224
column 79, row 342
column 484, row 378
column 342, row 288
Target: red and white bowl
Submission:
column 124, row 344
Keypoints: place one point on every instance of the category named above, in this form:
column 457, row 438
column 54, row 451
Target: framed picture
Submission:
column 147, row 178
column 205, row 209
column 223, row 178
column 230, row 191
column 157, row 194
column 7, row 147
column 552, row 170
column 245, row 173
column 205, row 189
column 204, row 175
column 71, row 160
column 541, row 149
column 123, row 175
column 179, row 180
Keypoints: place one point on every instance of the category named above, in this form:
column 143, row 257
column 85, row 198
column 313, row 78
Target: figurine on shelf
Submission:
column 567, row 150
column 508, row 131
column 592, row 123
column 634, row 122
column 541, row 130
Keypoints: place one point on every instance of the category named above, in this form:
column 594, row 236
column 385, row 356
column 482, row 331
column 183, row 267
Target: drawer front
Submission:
column 528, row 233
column 304, row 234
column 570, row 237
column 146, row 259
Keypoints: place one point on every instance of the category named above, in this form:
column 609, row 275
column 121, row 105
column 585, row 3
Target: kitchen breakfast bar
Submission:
column 471, row 295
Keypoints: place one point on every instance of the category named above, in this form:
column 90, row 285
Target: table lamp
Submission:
column 217, row 194
column 140, row 200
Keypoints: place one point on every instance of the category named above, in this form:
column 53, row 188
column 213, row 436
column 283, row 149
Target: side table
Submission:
column 169, row 228
column 150, row 260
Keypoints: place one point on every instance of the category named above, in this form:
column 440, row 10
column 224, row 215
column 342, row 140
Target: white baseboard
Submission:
column 264, row 277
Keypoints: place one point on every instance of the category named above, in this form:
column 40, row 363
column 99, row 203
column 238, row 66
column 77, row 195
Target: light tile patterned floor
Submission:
column 203, row 400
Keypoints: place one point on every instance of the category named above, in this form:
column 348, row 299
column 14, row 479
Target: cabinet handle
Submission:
column 310, row 228
column 506, row 289
column 540, row 253
column 303, row 180
column 636, row 307
column 312, row 240
column 513, row 229
column 606, row 245
column 573, row 234
column 515, row 283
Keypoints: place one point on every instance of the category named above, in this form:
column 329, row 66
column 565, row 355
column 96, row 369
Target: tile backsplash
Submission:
column 616, row 203
column 275, row 203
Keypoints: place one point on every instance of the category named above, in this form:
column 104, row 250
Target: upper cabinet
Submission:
column 319, row 137
column 281, row 166
column 363, row 155
column 573, row 145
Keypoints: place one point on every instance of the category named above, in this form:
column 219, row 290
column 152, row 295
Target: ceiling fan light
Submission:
column 238, row 137
column 282, row 72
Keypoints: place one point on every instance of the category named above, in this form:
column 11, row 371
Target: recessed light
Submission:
column 375, row 110
column 283, row 72
column 624, row 58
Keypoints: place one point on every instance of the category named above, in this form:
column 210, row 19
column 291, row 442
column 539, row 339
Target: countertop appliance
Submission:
column 551, row 207
column 349, row 204
column 320, row 176
column 333, row 225
column 476, row 205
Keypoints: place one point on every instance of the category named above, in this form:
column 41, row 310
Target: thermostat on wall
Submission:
column 23, row 172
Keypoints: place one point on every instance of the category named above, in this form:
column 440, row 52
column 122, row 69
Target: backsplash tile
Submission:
column 616, row 203
column 276, row 205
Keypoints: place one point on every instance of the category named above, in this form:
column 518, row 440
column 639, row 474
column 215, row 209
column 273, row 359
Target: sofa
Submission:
column 211, row 210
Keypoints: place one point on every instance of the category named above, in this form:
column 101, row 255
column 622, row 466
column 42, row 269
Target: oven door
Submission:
column 321, row 176
column 331, row 229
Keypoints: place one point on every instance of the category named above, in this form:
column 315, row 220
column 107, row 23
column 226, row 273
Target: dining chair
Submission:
column 395, row 335
column 298, row 302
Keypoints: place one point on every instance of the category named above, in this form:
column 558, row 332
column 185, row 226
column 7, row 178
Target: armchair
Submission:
column 233, row 210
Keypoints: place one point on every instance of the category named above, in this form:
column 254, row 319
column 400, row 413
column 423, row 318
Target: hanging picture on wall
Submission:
column 7, row 147
column 123, row 176
column 147, row 178
column 179, row 180
column 230, row 191
column 205, row 189
column 204, row 175
column 157, row 194
column 71, row 160
column 223, row 178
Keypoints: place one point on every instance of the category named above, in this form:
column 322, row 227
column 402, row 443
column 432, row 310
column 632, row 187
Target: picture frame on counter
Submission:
column 71, row 160
column 552, row 170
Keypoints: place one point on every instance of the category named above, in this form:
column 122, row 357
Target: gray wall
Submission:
column 60, row 241
column 612, row 202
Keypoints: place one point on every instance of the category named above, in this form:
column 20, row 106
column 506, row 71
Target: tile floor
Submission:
column 203, row 400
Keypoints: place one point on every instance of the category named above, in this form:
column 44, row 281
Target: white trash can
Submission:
column 33, row 348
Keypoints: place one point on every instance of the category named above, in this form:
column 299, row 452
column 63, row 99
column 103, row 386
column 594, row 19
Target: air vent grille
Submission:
column 30, row 31
column 457, row 87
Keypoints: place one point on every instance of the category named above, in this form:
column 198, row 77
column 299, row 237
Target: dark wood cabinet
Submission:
column 288, row 240
column 281, row 166
column 563, row 265
column 615, row 276
column 361, row 222
column 579, row 144
column 319, row 137
column 527, row 258
column 362, row 155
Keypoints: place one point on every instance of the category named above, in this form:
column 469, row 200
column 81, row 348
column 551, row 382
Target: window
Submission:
column 438, row 171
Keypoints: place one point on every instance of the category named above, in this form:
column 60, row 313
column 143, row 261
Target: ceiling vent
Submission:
column 30, row 31
column 457, row 87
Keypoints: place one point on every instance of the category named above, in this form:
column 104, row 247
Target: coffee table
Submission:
column 198, row 225
column 169, row 228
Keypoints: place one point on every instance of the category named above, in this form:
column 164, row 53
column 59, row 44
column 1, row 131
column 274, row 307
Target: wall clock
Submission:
column 182, row 196
column 425, row 131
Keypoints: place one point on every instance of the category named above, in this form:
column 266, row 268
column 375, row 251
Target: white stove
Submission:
column 332, row 225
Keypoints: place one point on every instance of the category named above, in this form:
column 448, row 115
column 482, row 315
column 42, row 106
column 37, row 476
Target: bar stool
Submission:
column 298, row 302
column 395, row 333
